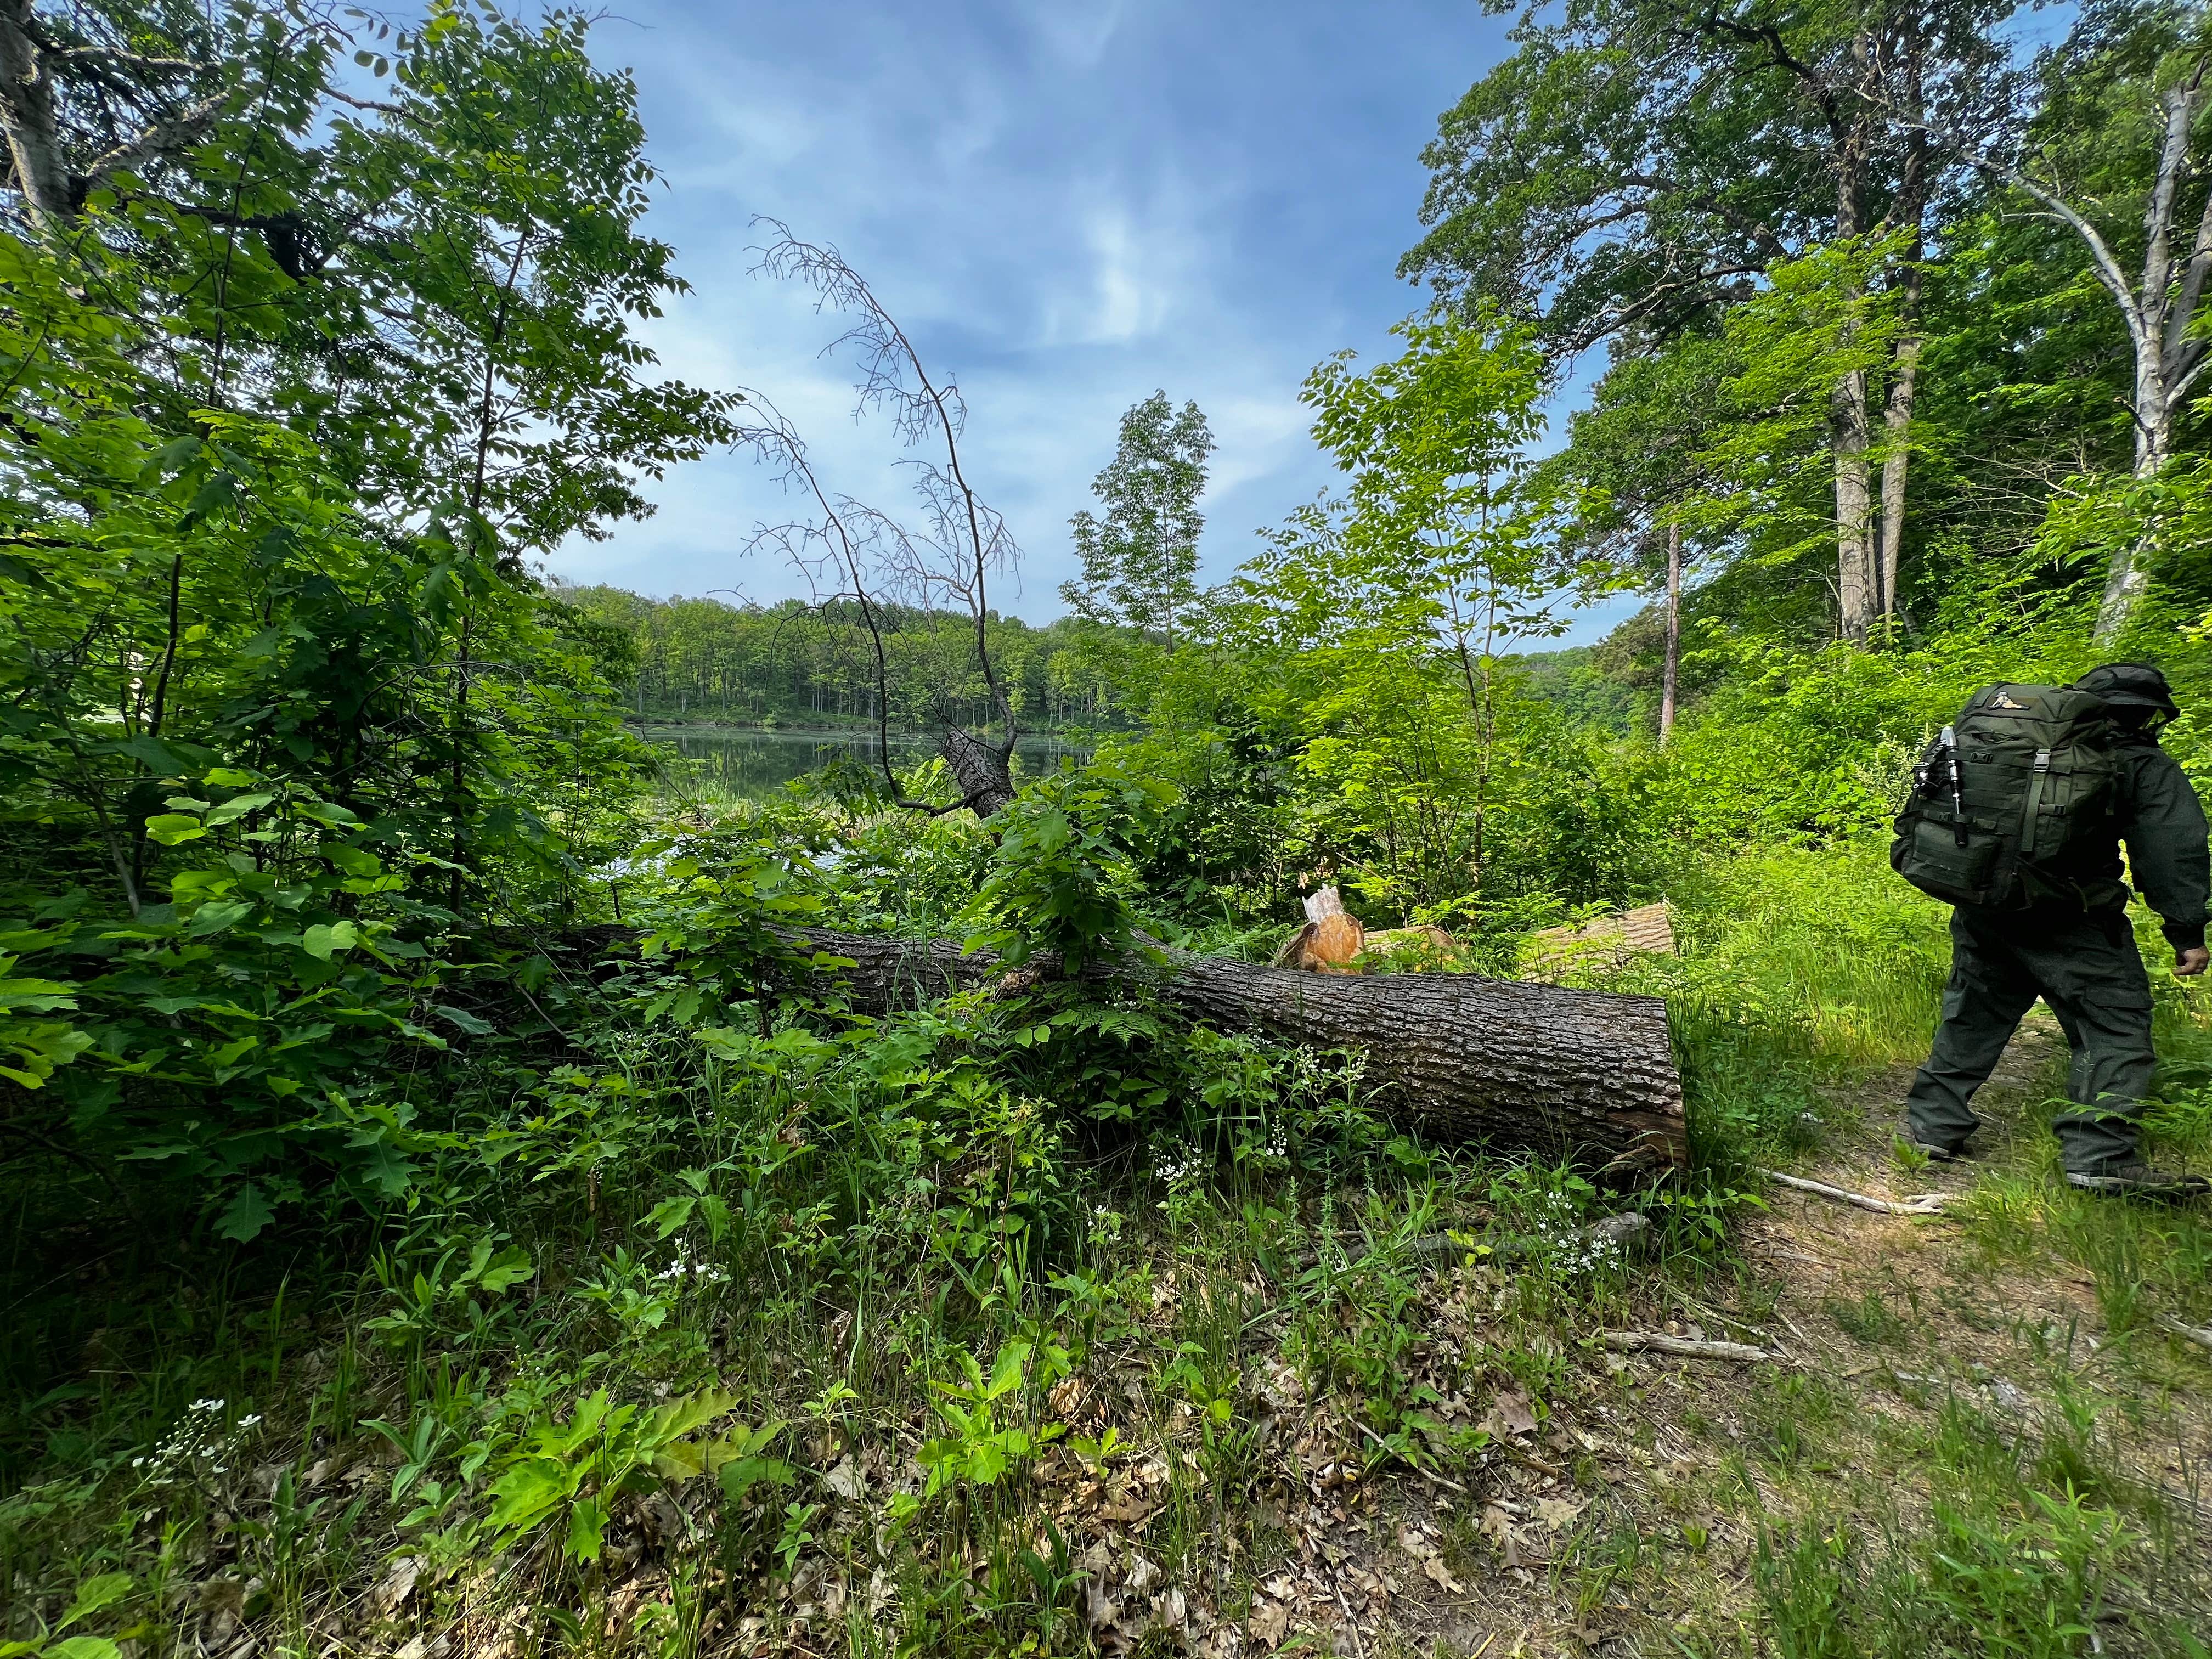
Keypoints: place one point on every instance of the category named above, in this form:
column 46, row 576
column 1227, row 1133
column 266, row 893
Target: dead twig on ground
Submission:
column 1685, row 1347
column 2200, row 1334
column 1358, row 1650
column 1919, row 1204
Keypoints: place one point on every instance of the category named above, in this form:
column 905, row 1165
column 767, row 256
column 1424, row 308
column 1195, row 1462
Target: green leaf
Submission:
column 168, row 459
column 742, row 1475
column 92, row 1595
column 237, row 807
column 162, row 757
column 1006, row 1372
column 465, row 1021
column 526, row 1494
column 693, row 1411
column 670, row 1215
column 320, row 940
column 510, row 1267
column 25, row 574
column 174, row 829
column 246, row 1215
column 84, row 1647
column 587, row 1523
column 211, row 919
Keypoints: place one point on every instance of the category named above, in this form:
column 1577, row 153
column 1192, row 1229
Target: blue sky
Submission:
column 1067, row 206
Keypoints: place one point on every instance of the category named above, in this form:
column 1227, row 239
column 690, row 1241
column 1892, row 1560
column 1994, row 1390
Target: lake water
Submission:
column 749, row 764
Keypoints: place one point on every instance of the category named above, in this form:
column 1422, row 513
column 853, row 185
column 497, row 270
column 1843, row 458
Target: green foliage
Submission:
column 1388, row 613
column 285, row 713
column 980, row 1449
column 1060, row 882
column 796, row 664
column 332, row 894
column 1140, row 561
column 566, row 1475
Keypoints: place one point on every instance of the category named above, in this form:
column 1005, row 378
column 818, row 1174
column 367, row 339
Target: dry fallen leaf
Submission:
column 1434, row 1566
column 1497, row 1526
column 399, row 1584
column 1068, row 1396
column 846, row 1479
column 1557, row 1513
column 1415, row 1545
column 1270, row 1620
column 1511, row 1413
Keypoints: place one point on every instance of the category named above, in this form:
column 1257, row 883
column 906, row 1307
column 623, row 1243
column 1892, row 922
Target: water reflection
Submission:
column 747, row 763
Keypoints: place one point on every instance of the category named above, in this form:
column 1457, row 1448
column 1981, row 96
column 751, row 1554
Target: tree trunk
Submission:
column 982, row 770
column 2159, row 318
column 1583, row 1075
column 1908, row 212
column 1672, row 667
column 34, row 144
column 1904, row 371
column 2130, row 573
column 1848, row 429
column 1855, row 578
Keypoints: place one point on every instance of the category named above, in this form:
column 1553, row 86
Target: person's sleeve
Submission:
column 2166, row 848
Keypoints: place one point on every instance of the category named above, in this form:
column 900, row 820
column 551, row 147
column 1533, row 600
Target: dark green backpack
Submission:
column 2023, row 775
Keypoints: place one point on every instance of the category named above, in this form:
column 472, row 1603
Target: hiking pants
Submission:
column 2085, row 965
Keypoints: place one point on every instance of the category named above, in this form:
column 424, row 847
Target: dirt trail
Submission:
column 1669, row 1466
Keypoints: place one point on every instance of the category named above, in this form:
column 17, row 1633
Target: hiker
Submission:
column 2016, row 818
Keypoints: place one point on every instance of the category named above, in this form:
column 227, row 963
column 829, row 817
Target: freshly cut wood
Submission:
column 1577, row 1075
column 1339, row 945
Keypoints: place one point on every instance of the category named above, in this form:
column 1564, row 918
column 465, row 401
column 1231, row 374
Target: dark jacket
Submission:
column 2162, row 822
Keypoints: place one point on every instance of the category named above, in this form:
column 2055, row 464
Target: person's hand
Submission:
column 2192, row 961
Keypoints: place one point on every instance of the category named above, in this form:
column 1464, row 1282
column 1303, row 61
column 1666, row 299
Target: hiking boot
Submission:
column 2138, row 1180
column 1931, row 1152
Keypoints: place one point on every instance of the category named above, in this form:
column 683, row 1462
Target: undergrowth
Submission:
column 1040, row 1325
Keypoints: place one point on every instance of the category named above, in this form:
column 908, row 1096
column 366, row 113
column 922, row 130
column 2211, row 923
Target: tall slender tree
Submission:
column 1140, row 558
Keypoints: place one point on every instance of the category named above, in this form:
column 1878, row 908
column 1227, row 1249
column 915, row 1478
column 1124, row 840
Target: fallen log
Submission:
column 1583, row 1075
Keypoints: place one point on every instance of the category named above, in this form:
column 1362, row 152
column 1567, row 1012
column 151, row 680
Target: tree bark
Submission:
column 1904, row 372
column 2167, row 359
column 1582, row 1075
column 983, row 770
column 1847, row 438
column 1671, row 668
column 1911, row 212
column 34, row 145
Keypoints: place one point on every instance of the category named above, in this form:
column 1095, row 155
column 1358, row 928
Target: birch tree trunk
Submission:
column 1855, row 574
column 1847, row 427
column 34, row 145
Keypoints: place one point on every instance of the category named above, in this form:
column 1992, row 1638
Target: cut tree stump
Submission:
column 1582, row 1075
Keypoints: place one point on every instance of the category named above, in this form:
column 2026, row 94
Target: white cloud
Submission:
column 1068, row 206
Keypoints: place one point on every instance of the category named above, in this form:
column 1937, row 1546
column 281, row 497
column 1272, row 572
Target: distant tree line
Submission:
column 796, row 663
